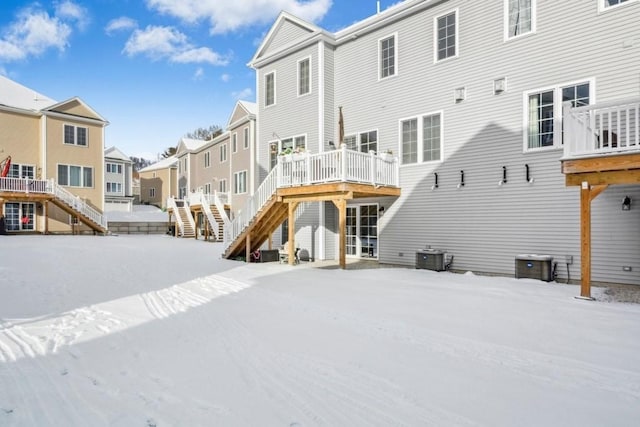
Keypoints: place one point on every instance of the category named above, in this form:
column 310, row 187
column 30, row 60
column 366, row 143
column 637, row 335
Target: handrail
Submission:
column 171, row 204
column 608, row 128
column 256, row 202
column 205, row 203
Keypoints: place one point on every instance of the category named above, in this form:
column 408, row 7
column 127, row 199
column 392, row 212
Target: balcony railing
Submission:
column 337, row 166
column 307, row 169
column 41, row 186
column 602, row 129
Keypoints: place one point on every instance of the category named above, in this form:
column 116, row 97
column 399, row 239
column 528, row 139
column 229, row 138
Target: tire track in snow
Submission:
column 327, row 393
column 560, row 371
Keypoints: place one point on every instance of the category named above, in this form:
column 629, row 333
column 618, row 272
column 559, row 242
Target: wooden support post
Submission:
column 587, row 194
column 45, row 212
column 247, row 247
column 195, row 231
column 270, row 241
column 341, row 204
column 292, row 232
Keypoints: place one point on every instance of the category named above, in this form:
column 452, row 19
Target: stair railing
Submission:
column 171, row 204
column 77, row 204
column 205, row 202
column 256, row 202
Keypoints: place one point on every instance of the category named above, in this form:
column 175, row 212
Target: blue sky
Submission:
column 156, row 69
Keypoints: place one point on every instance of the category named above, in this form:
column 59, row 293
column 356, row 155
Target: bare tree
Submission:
column 205, row 133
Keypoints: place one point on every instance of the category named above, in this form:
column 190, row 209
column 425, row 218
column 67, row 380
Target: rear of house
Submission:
column 57, row 149
column 469, row 96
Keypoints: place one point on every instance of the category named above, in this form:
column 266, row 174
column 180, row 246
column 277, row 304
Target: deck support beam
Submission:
column 247, row 248
column 291, row 244
column 45, row 209
column 341, row 204
column 587, row 194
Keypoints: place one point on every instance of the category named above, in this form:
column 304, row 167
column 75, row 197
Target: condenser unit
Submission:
column 531, row 266
column 430, row 259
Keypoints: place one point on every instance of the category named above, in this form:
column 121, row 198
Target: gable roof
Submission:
column 188, row 145
column 242, row 111
column 76, row 106
column 169, row 162
column 306, row 30
column 114, row 153
column 13, row 94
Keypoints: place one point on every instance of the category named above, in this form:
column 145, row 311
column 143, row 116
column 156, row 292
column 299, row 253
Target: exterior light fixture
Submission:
column 626, row 203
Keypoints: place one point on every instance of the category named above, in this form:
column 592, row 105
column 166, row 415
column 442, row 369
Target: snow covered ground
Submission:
column 157, row 331
column 146, row 213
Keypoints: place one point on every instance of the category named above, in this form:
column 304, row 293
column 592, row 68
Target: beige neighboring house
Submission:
column 118, row 177
column 215, row 177
column 242, row 130
column 55, row 180
column 158, row 182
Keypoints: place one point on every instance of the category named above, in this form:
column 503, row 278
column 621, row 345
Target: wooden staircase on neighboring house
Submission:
column 47, row 191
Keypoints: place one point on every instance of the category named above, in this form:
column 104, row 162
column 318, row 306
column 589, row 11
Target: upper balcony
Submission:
column 602, row 143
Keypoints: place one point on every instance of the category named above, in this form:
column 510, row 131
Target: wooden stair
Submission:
column 185, row 216
column 219, row 219
column 264, row 223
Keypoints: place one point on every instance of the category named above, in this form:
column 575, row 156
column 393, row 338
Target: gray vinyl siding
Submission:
column 292, row 114
column 287, row 33
column 483, row 224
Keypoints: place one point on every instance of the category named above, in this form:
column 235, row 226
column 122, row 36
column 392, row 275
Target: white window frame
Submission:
column 420, row 138
column 207, row 188
column 115, row 168
column 266, row 87
column 239, row 186
column 455, row 11
column 557, row 112
column 75, row 135
column 223, row 153
column 82, row 173
column 507, row 35
column 393, row 36
column 21, row 171
column 300, row 61
column 222, row 185
column 294, row 142
column 207, row 159
column 152, row 193
column 234, row 142
column 245, row 135
column 359, row 140
column 114, row 187
column 602, row 5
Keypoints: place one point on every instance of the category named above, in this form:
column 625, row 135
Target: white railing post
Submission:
column 372, row 162
column 307, row 165
column 343, row 157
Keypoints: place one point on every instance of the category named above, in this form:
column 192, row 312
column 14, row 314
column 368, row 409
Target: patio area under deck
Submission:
column 602, row 148
column 336, row 176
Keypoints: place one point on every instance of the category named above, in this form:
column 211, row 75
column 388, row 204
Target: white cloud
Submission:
column 120, row 24
column 225, row 16
column 73, row 12
column 168, row 43
column 243, row 94
column 32, row 33
column 225, row 78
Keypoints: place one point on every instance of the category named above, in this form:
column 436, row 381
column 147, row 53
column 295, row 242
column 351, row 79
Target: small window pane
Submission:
column 74, row 176
column 87, row 178
column 63, row 175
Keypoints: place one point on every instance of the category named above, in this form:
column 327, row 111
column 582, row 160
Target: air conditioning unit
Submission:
column 531, row 266
column 430, row 259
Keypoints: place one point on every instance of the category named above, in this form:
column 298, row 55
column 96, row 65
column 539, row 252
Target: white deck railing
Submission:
column 42, row 186
column 600, row 129
column 306, row 169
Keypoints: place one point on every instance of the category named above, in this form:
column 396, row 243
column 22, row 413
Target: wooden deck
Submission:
column 45, row 199
column 283, row 204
